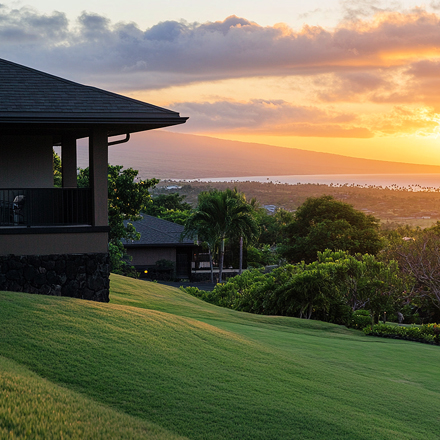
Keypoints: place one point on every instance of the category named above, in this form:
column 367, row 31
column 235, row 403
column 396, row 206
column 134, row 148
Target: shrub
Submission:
column 425, row 333
column 165, row 264
column 163, row 270
column 118, row 261
column 360, row 319
column 202, row 294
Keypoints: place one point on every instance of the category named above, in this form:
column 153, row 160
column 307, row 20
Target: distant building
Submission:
column 270, row 208
column 161, row 240
column 172, row 187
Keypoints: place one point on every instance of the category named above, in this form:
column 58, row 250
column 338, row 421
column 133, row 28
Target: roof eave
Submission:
column 80, row 127
column 91, row 118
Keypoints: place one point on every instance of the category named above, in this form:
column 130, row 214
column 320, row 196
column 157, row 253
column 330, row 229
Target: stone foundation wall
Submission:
column 83, row 276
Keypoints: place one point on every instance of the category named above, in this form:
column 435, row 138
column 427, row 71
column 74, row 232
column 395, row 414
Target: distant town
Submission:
column 416, row 208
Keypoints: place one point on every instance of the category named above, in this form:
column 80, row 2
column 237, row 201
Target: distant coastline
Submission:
column 167, row 155
column 414, row 182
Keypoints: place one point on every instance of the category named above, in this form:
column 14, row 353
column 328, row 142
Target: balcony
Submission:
column 45, row 207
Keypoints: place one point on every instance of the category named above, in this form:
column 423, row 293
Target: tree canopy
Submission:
column 127, row 197
column 272, row 226
column 222, row 215
column 171, row 207
column 57, row 171
column 329, row 289
column 325, row 223
column 419, row 257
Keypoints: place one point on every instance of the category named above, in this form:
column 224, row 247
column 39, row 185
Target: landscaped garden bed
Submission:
column 427, row 333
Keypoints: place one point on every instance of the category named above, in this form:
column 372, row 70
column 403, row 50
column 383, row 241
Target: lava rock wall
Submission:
column 83, row 276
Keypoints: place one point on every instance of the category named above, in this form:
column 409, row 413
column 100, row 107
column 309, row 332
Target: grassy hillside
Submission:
column 34, row 408
column 157, row 355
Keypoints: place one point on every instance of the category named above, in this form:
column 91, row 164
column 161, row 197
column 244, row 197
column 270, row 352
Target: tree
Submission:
column 272, row 226
column 308, row 290
column 57, row 171
column 262, row 255
column 419, row 257
column 366, row 282
column 166, row 202
column 244, row 231
column 199, row 226
column 325, row 223
column 271, row 236
column 169, row 207
column 127, row 197
column 221, row 215
column 329, row 289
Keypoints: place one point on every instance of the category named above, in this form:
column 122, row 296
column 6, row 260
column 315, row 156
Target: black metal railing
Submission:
column 45, row 207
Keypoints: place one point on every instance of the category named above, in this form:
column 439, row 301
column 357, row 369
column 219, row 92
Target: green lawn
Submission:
column 34, row 408
column 157, row 357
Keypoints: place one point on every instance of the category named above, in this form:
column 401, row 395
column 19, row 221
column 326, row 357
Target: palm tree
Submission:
column 220, row 215
column 248, row 230
column 199, row 227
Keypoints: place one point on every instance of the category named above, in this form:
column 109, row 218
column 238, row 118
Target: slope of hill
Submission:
column 164, row 154
column 36, row 409
column 205, row 372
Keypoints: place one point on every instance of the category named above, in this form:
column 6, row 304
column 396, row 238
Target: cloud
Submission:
column 27, row 26
column 310, row 13
column 277, row 117
column 418, row 83
column 404, row 120
column 349, row 86
column 374, row 56
column 425, row 69
column 355, row 10
column 274, row 117
column 183, row 53
column 94, row 27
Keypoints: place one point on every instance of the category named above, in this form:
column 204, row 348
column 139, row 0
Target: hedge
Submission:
column 427, row 333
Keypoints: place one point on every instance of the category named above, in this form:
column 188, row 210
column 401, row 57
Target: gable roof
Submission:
column 157, row 232
column 40, row 103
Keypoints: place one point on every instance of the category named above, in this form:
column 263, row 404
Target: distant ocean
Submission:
column 415, row 182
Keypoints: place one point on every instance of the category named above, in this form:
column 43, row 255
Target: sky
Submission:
column 354, row 77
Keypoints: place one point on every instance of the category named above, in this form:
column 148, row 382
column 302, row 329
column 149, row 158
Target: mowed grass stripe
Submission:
column 242, row 377
column 36, row 409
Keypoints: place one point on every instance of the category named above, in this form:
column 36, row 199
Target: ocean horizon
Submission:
column 414, row 182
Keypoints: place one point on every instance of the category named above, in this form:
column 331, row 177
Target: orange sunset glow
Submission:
column 365, row 86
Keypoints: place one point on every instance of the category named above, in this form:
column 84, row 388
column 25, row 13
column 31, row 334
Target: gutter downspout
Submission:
column 122, row 141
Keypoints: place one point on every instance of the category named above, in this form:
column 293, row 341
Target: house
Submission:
column 161, row 240
column 55, row 240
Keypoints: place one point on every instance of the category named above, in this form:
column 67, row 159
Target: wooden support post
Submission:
column 98, row 166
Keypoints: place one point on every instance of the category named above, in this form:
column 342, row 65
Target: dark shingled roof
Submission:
column 157, row 232
column 37, row 99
